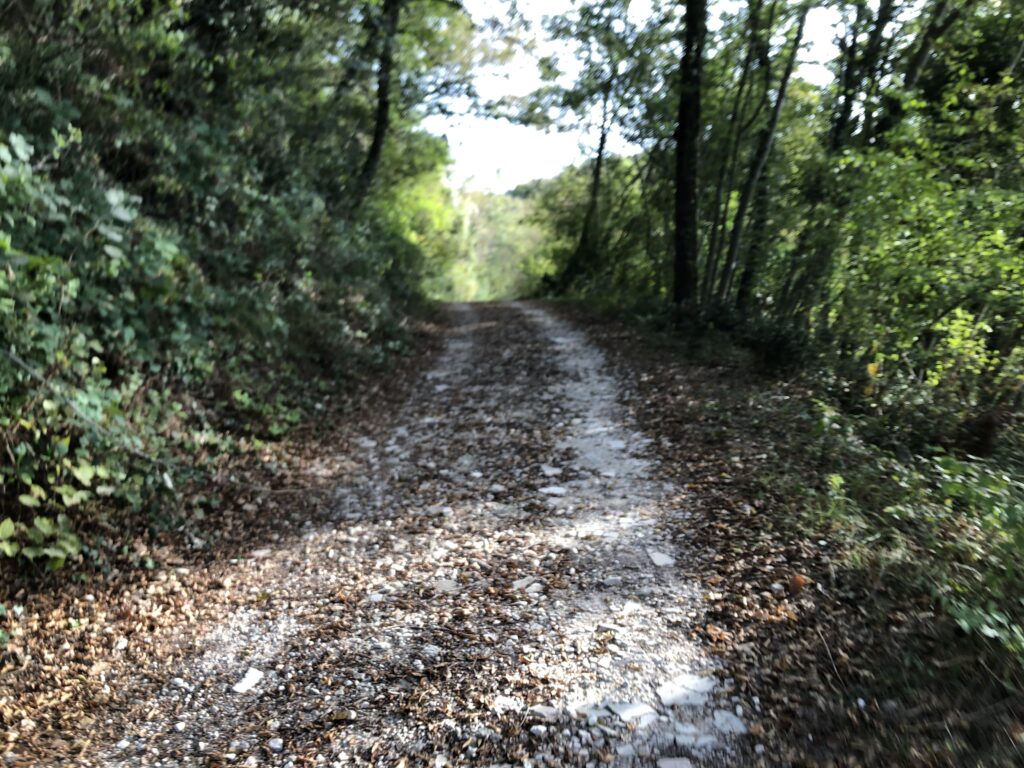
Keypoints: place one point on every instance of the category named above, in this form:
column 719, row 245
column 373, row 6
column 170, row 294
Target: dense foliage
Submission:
column 867, row 231
column 209, row 212
column 501, row 252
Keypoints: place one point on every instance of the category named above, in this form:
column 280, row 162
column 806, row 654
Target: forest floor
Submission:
column 536, row 546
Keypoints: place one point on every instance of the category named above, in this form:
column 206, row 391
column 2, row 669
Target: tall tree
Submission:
column 388, row 29
column 763, row 149
column 605, row 43
column 688, row 128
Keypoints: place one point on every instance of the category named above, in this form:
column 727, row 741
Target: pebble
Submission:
column 538, row 730
column 686, row 690
column 502, row 704
column 524, row 582
column 550, row 714
column 448, row 586
column 634, row 712
column 675, row 762
column 250, row 681
column 276, row 745
column 660, row 559
column 727, row 722
column 553, row 490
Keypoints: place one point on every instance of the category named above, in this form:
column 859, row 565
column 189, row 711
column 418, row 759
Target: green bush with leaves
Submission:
column 207, row 224
column 864, row 233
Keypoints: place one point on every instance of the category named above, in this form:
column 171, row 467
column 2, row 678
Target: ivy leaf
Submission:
column 6, row 529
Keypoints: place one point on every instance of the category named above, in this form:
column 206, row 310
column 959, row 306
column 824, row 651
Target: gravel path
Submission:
column 497, row 588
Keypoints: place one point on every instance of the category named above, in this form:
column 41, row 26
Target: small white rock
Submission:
column 686, row 690
column 542, row 712
column 553, row 490
column 276, row 745
column 727, row 722
column 247, row 683
column 502, row 704
column 660, row 559
column 634, row 712
column 447, row 586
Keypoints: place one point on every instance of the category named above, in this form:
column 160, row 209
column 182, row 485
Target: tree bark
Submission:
column 687, row 155
column 757, row 250
column 757, row 165
column 392, row 12
column 587, row 247
column 726, row 169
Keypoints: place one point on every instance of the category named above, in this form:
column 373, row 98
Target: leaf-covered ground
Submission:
column 534, row 545
column 852, row 661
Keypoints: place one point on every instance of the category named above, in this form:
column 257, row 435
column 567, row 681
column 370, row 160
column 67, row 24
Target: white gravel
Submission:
column 463, row 609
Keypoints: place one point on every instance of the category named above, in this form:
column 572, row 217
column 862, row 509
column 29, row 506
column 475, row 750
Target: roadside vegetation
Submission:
column 213, row 218
column 217, row 219
column 860, row 240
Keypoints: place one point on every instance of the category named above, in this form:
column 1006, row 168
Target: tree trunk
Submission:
column 757, row 165
column 756, row 252
column 687, row 155
column 392, row 12
column 588, row 245
column 732, row 141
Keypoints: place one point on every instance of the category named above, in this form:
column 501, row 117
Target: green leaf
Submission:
column 113, row 252
column 71, row 496
column 6, row 529
column 45, row 526
column 9, row 548
column 28, row 501
column 84, row 473
column 21, row 147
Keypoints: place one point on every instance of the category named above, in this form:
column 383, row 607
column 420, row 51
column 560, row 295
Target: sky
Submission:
column 492, row 155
